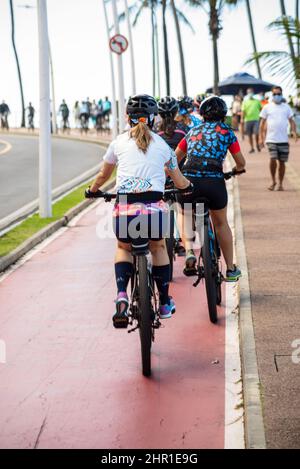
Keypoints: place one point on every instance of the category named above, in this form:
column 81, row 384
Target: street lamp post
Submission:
column 120, row 73
column 113, row 81
column 54, row 121
column 45, row 160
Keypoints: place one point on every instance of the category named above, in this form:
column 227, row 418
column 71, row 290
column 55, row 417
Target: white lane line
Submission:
column 7, row 147
column 234, row 411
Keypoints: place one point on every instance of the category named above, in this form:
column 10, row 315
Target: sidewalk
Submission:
column 271, row 228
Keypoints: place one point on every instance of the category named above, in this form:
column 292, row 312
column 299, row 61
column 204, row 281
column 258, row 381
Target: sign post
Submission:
column 119, row 45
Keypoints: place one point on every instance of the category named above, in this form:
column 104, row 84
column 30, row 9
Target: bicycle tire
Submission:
column 210, row 281
column 218, row 279
column 145, row 322
column 170, row 242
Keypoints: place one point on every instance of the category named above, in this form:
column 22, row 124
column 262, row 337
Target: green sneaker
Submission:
column 233, row 275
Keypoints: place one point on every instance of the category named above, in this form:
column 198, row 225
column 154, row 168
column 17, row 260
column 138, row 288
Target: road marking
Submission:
column 234, row 409
column 7, row 147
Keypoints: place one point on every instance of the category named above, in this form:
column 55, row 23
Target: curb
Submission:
column 254, row 424
column 41, row 235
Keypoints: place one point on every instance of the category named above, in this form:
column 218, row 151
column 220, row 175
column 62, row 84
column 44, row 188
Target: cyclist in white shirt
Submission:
column 141, row 157
column 275, row 118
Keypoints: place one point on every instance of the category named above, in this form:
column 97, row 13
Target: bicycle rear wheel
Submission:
column 210, row 280
column 145, row 322
column 219, row 276
column 170, row 242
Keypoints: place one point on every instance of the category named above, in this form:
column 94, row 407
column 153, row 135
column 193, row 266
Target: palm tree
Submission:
column 138, row 8
column 283, row 63
column 214, row 10
column 297, row 19
column 253, row 37
column 17, row 60
column 286, row 26
column 180, row 47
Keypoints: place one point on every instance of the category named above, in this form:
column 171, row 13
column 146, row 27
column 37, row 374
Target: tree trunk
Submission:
column 253, row 38
column 157, row 57
column 153, row 48
column 179, row 40
column 297, row 18
column 214, row 29
column 17, row 60
column 166, row 50
column 290, row 41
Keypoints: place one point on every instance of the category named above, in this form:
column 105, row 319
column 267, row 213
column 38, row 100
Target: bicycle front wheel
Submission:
column 210, row 280
column 145, row 321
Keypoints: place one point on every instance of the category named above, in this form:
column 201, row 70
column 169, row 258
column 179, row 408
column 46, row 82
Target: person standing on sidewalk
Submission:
column 275, row 118
column 250, row 118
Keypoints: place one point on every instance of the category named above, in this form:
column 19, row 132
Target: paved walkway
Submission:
column 271, row 227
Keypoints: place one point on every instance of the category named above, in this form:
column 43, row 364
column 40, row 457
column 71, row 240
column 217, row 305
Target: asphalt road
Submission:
column 19, row 167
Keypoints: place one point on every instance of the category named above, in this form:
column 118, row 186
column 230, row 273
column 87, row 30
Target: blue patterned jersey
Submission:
column 206, row 146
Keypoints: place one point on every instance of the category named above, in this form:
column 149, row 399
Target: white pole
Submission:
column 131, row 48
column 54, row 123
column 120, row 73
column 113, row 81
column 45, row 206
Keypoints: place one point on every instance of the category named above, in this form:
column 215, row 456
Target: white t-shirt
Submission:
column 137, row 171
column 277, row 117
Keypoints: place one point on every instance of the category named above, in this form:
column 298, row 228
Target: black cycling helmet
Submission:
column 141, row 105
column 213, row 108
column 185, row 104
column 167, row 106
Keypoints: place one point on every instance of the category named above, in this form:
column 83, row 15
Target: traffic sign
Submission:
column 118, row 44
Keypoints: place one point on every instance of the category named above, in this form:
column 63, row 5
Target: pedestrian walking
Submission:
column 275, row 118
column 4, row 112
column 236, row 112
column 251, row 108
column 64, row 111
column 30, row 116
column 76, row 114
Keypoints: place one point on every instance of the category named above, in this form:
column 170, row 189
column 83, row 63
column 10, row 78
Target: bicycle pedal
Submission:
column 120, row 322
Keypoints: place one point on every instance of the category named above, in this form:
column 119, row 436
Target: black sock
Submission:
column 123, row 272
column 161, row 275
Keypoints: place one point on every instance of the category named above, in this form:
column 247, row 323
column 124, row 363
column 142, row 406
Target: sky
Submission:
column 81, row 57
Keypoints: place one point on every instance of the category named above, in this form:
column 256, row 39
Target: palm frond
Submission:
column 184, row 19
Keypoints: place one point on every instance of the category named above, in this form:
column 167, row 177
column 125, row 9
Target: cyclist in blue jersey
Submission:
column 205, row 148
column 186, row 120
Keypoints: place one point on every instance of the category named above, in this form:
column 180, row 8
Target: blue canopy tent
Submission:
column 240, row 82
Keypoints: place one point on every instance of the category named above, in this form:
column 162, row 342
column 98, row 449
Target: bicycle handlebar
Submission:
column 108, row 196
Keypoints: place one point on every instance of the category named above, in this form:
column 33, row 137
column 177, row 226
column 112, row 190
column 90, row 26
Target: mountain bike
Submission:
column 209, row 266
column 84, row 123
column 143, row 308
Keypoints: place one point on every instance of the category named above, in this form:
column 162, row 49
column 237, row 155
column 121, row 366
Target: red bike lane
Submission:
column 72, row 381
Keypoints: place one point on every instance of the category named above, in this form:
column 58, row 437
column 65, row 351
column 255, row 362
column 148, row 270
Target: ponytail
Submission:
column 142, row 136
column 168, row 126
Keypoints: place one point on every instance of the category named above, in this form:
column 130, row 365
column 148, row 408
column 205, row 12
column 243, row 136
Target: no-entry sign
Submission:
column 118, row 44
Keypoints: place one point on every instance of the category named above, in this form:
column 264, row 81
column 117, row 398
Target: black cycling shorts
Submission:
column 212, row 189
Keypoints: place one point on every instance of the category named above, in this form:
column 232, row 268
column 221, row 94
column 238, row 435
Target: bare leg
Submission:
column 257, row 142
column 281, row 174
column 185, row 225
column 273, row 169
column 224, row 235
column 251, row 141
column 123, row 253
column 159, row 252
